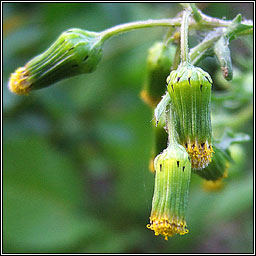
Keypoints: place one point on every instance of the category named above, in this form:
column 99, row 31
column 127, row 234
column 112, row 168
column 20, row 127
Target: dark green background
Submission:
column 75, row 155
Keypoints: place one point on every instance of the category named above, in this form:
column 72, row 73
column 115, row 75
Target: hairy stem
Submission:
column 172, row 134
column 184, row 36
column 106, row 34
column 200, row 50
column 197, row 15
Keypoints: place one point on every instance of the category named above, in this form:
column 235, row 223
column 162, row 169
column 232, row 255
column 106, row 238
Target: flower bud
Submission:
column 222, row 52
column 189, row 88
column 172, row 177
column 216, row 171
column 75, row 52
column 159, row 62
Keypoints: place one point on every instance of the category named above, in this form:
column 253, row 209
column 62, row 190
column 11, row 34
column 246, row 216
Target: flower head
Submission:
column 173, row 170
column 216, row 171
column 190, row 92
column 75, row 52
column 159, row 62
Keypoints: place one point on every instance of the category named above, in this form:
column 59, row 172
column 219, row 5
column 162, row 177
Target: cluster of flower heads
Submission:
column 190, row 148
column 187, row 109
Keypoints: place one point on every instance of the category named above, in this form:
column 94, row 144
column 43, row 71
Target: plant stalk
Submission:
column 184, row 36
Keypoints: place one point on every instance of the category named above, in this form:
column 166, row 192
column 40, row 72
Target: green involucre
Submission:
column 189, row 88
column 172, row 178
column 75, row 52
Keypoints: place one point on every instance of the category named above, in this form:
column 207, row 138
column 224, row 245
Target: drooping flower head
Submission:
column 159, row 62
column 172, row 177
column 189, row 88
column 216, row 171
column 75, row 52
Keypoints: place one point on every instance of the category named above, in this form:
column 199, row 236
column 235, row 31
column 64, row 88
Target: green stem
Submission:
column 106, row 34
column 197, row 15
column 205, row 23
column 172, row 134
column 168, row 36
column 184, row 36
column 203, row 48
column 200, row 50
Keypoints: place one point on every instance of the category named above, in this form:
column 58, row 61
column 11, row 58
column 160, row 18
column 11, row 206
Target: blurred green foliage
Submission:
column 75, row 168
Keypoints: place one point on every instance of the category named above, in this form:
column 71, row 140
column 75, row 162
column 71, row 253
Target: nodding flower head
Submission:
column 172, row 177
column 159, row 62
column 189, row 88
column 75, row 52
column 216, row 171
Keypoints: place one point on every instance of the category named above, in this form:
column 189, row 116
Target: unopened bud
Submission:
column 222, row 53
column 75, row 52
column 159, row 62
column 217, row 168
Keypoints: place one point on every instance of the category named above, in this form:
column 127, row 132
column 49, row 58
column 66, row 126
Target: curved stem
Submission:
column 200, row 50
column 184, row 36
column 206, row 22
column 106, row 34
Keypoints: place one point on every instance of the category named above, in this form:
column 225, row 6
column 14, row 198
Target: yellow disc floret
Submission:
column 200, row 154
column 163, row 226
column 19, row 83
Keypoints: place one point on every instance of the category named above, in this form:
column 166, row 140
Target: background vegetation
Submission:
column 76, row 154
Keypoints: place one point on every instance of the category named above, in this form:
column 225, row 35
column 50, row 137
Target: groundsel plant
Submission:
column 178, row 92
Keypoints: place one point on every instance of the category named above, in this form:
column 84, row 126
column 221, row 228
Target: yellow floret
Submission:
column 200, row 154
column 18, row 82
column 167, row 228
